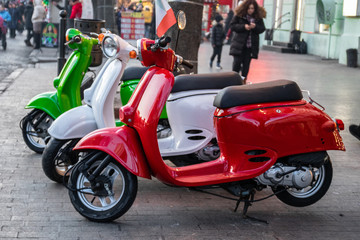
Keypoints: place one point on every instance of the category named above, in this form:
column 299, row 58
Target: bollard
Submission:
column 62, row 29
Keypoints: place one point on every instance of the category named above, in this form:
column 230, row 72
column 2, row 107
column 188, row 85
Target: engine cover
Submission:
column 298, row 179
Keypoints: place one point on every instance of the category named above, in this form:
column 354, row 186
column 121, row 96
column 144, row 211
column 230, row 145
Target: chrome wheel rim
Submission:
column 33, row 136
column 318, row 181
column 96, row 203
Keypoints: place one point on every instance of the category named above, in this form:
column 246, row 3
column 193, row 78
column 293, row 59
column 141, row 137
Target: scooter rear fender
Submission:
column 46, row 102
column 75, row 123
column 123, row 144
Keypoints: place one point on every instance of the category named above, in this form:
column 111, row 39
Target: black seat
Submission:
column 186, row 82
column 133, row 73
column 273, row 91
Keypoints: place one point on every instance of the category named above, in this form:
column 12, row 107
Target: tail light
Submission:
column 340, row 124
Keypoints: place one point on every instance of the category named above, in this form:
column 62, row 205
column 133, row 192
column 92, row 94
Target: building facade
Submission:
column 325, row 40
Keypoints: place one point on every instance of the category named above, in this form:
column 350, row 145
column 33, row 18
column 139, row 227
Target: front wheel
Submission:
column 34, row 128
column 311, row 194
column 109, row 197
column 58, row 158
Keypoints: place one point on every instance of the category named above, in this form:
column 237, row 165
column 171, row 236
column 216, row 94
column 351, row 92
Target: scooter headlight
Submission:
column 110, row 47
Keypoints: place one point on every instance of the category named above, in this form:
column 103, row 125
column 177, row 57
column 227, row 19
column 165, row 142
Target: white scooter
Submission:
column 189, row 107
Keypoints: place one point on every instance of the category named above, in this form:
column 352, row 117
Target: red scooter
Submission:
column 267, row 133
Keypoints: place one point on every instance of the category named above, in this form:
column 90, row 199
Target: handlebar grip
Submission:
column 164, row 41
column 188, row 64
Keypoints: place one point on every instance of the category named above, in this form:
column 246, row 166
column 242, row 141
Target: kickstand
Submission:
column 248, row 199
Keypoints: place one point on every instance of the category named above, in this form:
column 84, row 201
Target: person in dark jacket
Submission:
column 21, row 9
column 29, row 9
column 227, row 26
column 246, row 26
column 14, row 13
column 217, row 40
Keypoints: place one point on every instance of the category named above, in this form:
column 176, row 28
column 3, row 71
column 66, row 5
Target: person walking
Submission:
column 76, row 9
column 4, row 19
column 21, row 10
column 217, row 40
column 28, row 12
column 37, row 18
column 14, row 13
column 228, row 19
column 246, row 26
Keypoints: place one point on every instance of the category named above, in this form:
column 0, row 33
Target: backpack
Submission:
column 3, row 28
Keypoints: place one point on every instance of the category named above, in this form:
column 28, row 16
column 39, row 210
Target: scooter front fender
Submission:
column 123, row 144
column 75, row 123
column 46, row 102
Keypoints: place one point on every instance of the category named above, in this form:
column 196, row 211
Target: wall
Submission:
column 345, row 32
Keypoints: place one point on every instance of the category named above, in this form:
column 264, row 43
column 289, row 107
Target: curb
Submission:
column 7, row 81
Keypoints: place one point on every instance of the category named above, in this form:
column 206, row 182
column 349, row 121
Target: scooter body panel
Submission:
column 75, row 123
column 126, row 90
column 88, row 93
column 190, row 117
column 46, row 102
column 289, row 127
column 104, row 94
column 115, row 142
column 68, row 90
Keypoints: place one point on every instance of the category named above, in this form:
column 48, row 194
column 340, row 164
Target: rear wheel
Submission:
column 109, row 197
column 58, row 158
column 35, row 127
column 311, row 194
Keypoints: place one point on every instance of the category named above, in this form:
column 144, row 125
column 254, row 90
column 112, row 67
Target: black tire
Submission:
column 312, row 194
column 89, row 205
column 36, row 139
column 57, row 158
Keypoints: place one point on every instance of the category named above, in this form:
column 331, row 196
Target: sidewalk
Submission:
column 33, row 207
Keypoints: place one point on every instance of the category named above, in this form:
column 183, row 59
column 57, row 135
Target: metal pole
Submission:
column 62, row 29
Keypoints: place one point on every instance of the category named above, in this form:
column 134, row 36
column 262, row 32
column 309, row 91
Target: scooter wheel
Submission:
column 34, row 129
column 310, row 195
column 109, row 198
column 58, row 158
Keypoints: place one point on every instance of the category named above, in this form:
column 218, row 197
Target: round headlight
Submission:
column 110, row 47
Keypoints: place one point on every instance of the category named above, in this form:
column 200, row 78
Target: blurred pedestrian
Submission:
column 217, row 40
column 12, row 25
column 76, row 9
column 118, row 20
column 228, row 19
column 246, row 26
column 28, row 12
column 20, row 23
column 4, row 19
column 147, row 18
column 37, row 18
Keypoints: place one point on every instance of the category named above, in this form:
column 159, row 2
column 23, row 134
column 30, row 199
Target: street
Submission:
column 34, row 207
column 16, row 56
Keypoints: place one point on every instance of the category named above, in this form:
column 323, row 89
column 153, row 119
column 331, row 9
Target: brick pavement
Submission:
column 33, row 207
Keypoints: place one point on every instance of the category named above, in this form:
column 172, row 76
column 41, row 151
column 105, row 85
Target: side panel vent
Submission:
column 196, row 138
column 255, row 152
column 193, row 131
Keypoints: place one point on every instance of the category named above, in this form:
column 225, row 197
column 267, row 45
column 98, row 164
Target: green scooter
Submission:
column 49, row 105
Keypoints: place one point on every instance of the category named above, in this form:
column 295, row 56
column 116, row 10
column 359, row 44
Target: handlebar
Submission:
column 160, row 43
column 188, row 64
column 164, row 41
column 184, row 62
